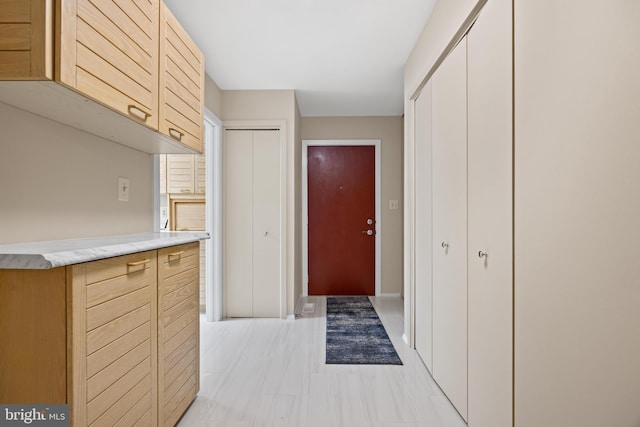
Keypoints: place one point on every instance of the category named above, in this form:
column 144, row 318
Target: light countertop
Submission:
column 57, row 253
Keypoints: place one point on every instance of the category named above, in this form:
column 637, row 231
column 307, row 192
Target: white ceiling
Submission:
column 342, row 57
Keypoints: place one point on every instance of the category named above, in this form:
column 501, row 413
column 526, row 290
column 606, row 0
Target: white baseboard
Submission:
column 291, row 317
column 389, row 295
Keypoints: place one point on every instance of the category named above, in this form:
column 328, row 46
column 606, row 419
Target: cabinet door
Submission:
column 180, row 172
column 450, row 227
column 26, row 42
column 178, row 330
column 181, row 84
column 423, row 279
column 200, row 174
column 109, row 51
column 490, row 218
column 113, row 341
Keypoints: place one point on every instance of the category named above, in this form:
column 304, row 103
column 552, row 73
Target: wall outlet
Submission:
column 393, row 204
column 123, row 189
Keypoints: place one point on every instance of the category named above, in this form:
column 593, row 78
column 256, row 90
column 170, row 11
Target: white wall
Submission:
column 57, row 182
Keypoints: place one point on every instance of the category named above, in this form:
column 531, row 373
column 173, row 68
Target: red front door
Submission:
column 341, row 198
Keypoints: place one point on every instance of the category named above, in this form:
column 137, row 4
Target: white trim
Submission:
column 213, row 197
column 393, row 295
column 306, row 143
column 280, row 125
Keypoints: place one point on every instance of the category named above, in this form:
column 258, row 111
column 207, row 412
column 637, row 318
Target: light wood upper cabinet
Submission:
column 181, row 84
column 26, row 39
column 131, row 56
column 109, row 51
column 185, row 174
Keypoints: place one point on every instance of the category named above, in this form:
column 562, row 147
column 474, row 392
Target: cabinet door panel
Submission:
column 115, row 40
column 181, row 83
column 450, row 227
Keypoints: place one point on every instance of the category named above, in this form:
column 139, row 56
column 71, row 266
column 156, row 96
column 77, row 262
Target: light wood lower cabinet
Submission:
column 117, row 339
column 178, row 330
column 113, row 344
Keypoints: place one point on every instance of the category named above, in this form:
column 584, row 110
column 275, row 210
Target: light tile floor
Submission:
column 270, row 372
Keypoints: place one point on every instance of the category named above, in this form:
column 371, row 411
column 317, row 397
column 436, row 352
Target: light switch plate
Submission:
column 393, row 204
column 123, row 189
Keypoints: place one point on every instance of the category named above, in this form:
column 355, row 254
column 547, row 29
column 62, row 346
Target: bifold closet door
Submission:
column 252, row 223
column 490, row 259
column 266, row 223
column 424, row 289
column 449, row 150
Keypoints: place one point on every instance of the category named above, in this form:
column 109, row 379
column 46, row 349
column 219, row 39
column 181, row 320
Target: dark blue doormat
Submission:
column 355, row 335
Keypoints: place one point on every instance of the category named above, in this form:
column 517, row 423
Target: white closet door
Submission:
column 450, row 227
column 266, row 223
column 238, row 222
column 424, row 288
column 490, row 218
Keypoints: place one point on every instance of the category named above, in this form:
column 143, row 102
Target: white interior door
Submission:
column 424, row 288
column 450, row 227
column 238, row 223
column 266, row 223
column 252, row 233
column 490, row 169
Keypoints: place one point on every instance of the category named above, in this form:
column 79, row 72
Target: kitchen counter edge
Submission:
column 58, row 253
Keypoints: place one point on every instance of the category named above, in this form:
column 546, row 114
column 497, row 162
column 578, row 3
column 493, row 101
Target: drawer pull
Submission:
column 176, row 134
column 175, row 254
column 138, row 113
column 136, row 263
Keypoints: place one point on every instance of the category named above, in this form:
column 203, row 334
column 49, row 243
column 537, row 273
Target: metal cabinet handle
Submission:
column 482, row 254
column 138, row 113
column 175, row 253
column 176, row 134
column 136, row 263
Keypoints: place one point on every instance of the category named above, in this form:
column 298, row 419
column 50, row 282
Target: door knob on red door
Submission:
column 368, row 232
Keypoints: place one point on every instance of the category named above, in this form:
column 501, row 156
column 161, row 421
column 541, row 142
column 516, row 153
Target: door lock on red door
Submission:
column 368, row 232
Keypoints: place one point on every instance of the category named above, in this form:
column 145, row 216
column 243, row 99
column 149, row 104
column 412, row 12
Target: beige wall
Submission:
column 389, row 131
column 260, row 105
column 212, row 96
column 58, row 182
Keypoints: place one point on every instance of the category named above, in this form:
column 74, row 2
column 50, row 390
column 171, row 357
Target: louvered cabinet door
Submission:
column 178, row 330
column 110, row 53
column 113, row 341
column 181, row 84
column 180, row 174
column 26, row 41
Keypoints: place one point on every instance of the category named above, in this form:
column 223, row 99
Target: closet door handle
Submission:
column 445, row 245
column 482, row 254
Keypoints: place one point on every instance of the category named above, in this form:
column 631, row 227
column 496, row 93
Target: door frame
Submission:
column 306, row 143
